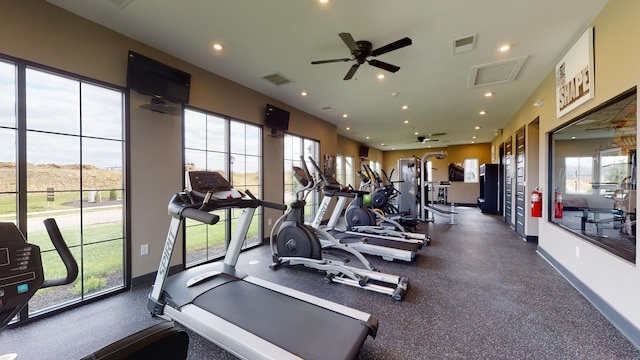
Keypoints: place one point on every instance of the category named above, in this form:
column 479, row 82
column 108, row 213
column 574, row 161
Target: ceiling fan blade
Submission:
column 384, row 66
column 393, row 46
column 348, row 40
column 351, row 71
column 330, row 61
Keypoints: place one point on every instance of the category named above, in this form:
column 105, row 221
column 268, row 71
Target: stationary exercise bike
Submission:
column 22, row 275
column 299, row 244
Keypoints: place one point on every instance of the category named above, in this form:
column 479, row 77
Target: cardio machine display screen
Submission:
column 205, row 181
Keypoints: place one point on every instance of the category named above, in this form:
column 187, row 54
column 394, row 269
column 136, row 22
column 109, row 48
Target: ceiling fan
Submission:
column 424, row 139
column 361, row 50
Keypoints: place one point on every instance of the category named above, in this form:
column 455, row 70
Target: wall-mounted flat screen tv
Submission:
column 276, row 118
column 364, row 151
column 150, row 77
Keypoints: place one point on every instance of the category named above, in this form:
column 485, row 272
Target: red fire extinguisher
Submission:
column 557, row 204
column 536, row 202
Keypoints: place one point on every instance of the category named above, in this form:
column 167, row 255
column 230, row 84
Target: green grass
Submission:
column 37, row 202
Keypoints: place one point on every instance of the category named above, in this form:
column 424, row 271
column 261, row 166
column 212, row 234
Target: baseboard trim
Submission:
column 148, row 279
column 618, row 320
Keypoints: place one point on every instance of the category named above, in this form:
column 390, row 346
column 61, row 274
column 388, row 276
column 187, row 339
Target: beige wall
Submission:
column 36, row 31
column 613, row 280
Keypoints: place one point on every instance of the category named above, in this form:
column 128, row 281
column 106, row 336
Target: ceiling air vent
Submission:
column 277, row 78
column 121, row 3
column 497, row 72
column 464, row 44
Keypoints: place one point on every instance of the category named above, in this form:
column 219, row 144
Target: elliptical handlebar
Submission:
column 330, row 184
column 65, row 254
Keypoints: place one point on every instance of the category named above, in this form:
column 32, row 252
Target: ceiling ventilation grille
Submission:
column 121, row 3
column 277, row 78
column 497, row 72
column 464, row 44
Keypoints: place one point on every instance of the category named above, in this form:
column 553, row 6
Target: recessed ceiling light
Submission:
column 475, row 137
column 488, row 94
column 304, row 93
column 416, row 133
column 345, row 115
column 406, row 121
column 217, row 46
column 504, row 48
column 323, row 1
column 573, row 138
column 367, row 138
column 483, row 112
column 380, row 76
column 477, row 127
column 382, row 144
column 405, row 107
column 348, row 128
column 473, row 142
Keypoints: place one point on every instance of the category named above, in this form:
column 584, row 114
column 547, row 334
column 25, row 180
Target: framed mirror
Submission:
column 593, row 174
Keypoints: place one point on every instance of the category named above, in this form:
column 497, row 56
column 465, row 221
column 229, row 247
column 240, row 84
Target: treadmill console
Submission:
column 21, row 273
column 203, row 182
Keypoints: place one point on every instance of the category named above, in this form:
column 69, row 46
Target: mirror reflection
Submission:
column 595, row 176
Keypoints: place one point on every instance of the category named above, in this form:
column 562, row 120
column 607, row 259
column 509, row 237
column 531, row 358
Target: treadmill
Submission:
column 249, row 317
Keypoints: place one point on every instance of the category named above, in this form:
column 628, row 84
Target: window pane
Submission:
column 8, row 160
column 217, row 162
column 237, row 138
column 54, row 268
column 216, row 133
column 253, row 140
column 101, row 112
column 8, row 208
column 53, row 161
column 195, row 159
column 102, row 266
column 53, row 103
column 7, row 94
column 102, row 154
column 195, row 130
column 471, row 169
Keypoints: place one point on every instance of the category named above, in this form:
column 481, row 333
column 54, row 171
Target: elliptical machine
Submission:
column 361, row 220
column 299, row 244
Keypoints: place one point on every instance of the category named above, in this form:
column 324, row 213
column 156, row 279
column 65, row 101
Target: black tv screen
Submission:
column 151, row 77
column 364, row 151
column 276, row 118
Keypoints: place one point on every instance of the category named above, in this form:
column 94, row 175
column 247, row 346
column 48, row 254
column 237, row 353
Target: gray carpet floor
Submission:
column 478, row 292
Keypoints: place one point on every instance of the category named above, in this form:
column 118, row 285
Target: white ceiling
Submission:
column 261, row 37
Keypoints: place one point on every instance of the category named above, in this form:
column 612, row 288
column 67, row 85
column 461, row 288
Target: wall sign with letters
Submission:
column 574, row 75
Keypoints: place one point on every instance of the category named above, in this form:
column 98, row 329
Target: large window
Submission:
column 593, row 166
column 294, row 147
column 234, row 149
column 345, row 171
column 471, row 170
column 578, row 174
column 63, row 157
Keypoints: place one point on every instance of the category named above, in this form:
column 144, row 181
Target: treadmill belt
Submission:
column 307, row 330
